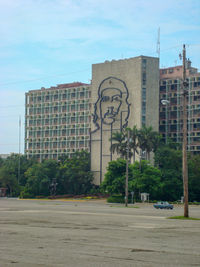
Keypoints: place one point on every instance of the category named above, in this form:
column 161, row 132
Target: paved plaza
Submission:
column 94, row 233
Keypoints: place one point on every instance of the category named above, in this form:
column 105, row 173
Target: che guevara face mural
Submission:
column 112, row 103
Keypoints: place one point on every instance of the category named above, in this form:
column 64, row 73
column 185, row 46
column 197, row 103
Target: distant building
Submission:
column 4, row 156
column 57, row 120
column 170, row 121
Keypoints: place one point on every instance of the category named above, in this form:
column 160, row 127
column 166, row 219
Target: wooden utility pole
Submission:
column 127, row 163
column 184, row 149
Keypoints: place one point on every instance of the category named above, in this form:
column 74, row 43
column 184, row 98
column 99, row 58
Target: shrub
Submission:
column 117, row 199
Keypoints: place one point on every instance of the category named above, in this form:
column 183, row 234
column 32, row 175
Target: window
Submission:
column 81, row 118
column 81, row 130
column 81, row 106
column 144, row 94
column 143, row 108
column 82, row 94
column 72, row 119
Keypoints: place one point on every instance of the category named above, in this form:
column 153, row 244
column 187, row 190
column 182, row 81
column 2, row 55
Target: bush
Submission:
column 117, row 199
column 25, row 194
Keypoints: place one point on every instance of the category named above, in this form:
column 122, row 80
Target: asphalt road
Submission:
column 94, row 233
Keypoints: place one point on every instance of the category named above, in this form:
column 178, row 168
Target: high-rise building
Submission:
column 171, row 105
column 57, row 120
column 124, row 93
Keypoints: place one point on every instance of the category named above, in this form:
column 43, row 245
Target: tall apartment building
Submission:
column 171, row 105
column 57, row 120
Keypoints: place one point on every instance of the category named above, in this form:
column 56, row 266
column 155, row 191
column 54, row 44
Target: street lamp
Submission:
column 127, row 163
column 166, row 102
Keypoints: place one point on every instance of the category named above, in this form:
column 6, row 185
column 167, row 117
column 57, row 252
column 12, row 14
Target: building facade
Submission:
column 170, row 121
column 124, row 93
column 57, row 120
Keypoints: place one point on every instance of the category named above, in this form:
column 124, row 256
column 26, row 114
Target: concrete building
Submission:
column 171, row 112
column 124, row 93
column 57, row 120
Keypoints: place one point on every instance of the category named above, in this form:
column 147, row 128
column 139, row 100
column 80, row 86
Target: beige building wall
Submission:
column 140, row 77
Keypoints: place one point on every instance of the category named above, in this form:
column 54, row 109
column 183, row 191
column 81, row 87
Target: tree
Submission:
column 114, row 182
column 170, row 163
column 9, row 180
column 133, row 140
column 119, row 143
column 74, row 176
column 146, row 178
column 194, row 177
column 148, row 140
column 39, row 177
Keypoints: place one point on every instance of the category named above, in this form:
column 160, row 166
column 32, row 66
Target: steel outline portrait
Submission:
column 114, row 97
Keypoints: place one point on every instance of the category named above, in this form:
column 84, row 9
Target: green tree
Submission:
column 148, row 140
column 169, row 161
column 194, row 177
column 119, row 143
column 39, row 177
column 74, row 176
column 9, row 180
column 146, row 179
column 134, row 141
column 114, row 182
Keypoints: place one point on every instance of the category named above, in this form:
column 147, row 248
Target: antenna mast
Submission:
column 158, row 45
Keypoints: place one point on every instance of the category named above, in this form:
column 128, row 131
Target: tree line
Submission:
column 162, row 179
column 30, row 178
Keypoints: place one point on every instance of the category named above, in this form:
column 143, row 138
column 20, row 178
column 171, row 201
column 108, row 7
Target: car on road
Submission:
column 163, row 205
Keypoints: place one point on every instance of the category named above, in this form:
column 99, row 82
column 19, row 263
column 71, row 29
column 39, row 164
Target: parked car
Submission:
column 163, row 205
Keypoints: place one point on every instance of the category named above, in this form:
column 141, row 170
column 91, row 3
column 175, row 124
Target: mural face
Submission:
column 112, row 94
column 110, row 103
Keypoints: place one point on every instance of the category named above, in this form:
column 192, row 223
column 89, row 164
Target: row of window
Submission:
column 63, row 132
column 45, row 155
column 56, row 121
column 56, row 109
column 55, row 97
column 68, row 144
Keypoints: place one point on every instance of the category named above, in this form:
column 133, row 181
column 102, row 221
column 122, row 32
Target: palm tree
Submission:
column 134, row 140
column 145, row 139
column 119, row 143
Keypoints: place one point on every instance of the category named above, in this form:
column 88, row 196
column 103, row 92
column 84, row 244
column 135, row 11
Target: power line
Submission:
column 42, row 78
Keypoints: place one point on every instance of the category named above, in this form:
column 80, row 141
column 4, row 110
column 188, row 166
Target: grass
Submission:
column 183, row 218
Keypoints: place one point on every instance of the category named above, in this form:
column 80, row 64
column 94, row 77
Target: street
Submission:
column 95, row 233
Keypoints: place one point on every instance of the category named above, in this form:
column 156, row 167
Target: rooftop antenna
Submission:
column 158, row 45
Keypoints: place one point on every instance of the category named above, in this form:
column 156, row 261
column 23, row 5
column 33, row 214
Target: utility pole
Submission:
column 19, row 163
column 127, row 163
column 184, row 148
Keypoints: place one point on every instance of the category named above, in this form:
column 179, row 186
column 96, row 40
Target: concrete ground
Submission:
column 94, row 233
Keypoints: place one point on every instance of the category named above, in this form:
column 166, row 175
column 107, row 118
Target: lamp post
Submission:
column 166, row 102
column 184, row 145
column 127, row 163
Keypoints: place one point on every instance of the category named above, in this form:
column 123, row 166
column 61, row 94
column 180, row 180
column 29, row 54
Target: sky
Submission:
column 49, row 42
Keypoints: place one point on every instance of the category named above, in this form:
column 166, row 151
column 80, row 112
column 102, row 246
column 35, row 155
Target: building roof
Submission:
column 62, row 86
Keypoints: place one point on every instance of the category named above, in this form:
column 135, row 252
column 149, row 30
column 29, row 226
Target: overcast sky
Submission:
column 48, row 42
